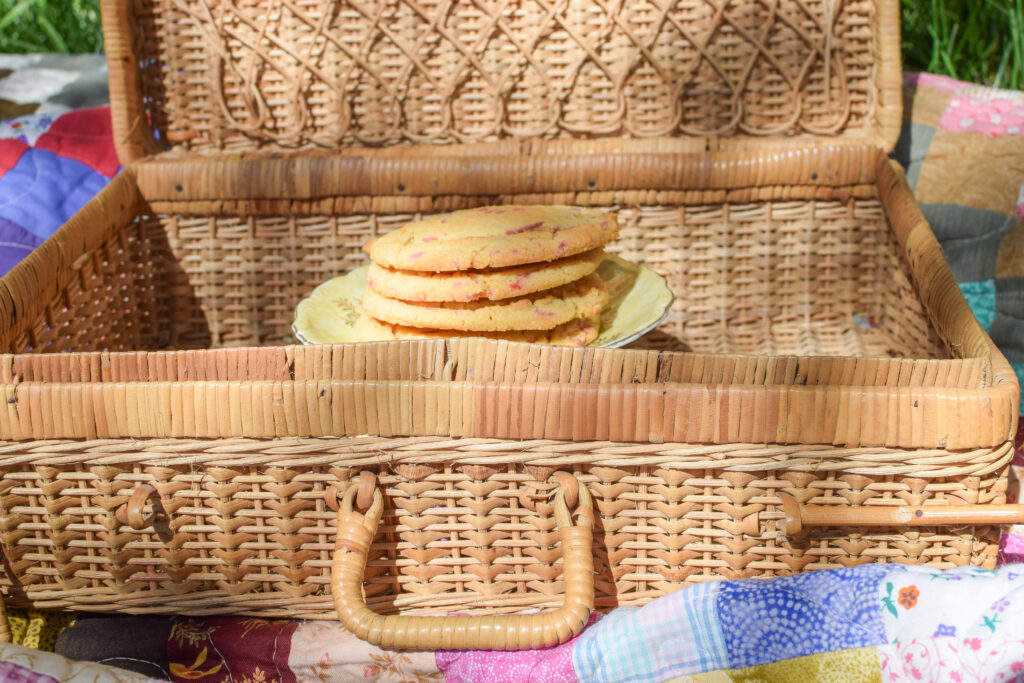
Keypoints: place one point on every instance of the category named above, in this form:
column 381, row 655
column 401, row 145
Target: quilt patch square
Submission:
column 793, row 616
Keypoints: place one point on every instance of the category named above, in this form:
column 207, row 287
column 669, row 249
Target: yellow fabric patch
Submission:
column 973, row 170
column 37, row 629
column 856, row 666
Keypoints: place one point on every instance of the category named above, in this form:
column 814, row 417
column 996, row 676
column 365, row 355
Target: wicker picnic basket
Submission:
column 819, row 396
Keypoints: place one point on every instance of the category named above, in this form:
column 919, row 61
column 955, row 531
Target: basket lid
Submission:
column 222, row 77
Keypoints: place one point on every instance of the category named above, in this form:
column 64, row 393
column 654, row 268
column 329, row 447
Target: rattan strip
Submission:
column 267, row 605
column 908, row 417
column 938, row 289
column 306, row 453
column 486, row 361
column 530, row 147
column 409, row 205
column 309, row 177
column 316, row 76
column 949, row 312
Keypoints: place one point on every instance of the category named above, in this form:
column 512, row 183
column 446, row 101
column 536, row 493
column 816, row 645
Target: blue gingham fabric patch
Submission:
column 675, row 635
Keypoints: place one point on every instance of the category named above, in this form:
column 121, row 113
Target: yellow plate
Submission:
column 639, row 302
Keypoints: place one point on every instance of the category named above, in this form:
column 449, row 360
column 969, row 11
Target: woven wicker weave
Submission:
column 179, row 456
column 240, row 76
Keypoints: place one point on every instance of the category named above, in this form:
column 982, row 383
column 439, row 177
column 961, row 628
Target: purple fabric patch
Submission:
column 548, row 665
column 16, row 673
column 1011, row 548
column 42, row 191
column 15, row 244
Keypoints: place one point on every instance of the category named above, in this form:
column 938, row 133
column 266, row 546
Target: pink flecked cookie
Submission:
column 493, row 237
column 576, row 332
column 492, row 284
column 538, row 311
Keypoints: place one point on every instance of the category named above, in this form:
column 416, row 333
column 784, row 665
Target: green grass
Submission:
column 981, row 41
column 974, row 40
column 67, row 26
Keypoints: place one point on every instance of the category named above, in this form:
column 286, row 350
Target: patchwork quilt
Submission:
column 866, row 623
column 56, row 149
column 963, row 147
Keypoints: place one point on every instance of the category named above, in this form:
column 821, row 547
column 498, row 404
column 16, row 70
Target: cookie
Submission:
column 493, row 237
column 472, row 285
column 538, row 311
column 576, row 332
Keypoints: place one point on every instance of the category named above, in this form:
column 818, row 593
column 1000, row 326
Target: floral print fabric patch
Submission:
column 954, row 660
column 921, row 602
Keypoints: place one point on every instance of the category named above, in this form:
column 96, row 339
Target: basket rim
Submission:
column 912, row 415
column 862, row 416
column 312, row 176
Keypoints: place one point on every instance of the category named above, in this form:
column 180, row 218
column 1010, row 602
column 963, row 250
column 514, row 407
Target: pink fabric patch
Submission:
column 11, row 150
column 548, row 665
column 940, row 83
column 1020, row 213
column 988, row 112
column 84, row 135
column 16, row 673
column 949, row 659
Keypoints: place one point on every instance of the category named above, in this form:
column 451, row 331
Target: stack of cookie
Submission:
column 522, row 273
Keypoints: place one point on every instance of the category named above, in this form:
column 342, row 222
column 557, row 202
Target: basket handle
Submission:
column 131, row 513
column 798, row 516
column 506, row 632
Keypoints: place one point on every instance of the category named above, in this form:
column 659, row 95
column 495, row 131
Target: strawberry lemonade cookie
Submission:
column 492, row 284
column 493, row 237
column 521, row 273
column 538, row 311
column 577, row 332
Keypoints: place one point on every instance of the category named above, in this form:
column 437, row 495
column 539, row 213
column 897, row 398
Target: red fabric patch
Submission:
column 84, row 135
column 11, row 150
column 231, row 649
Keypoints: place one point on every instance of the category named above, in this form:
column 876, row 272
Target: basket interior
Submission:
column 804, row 277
